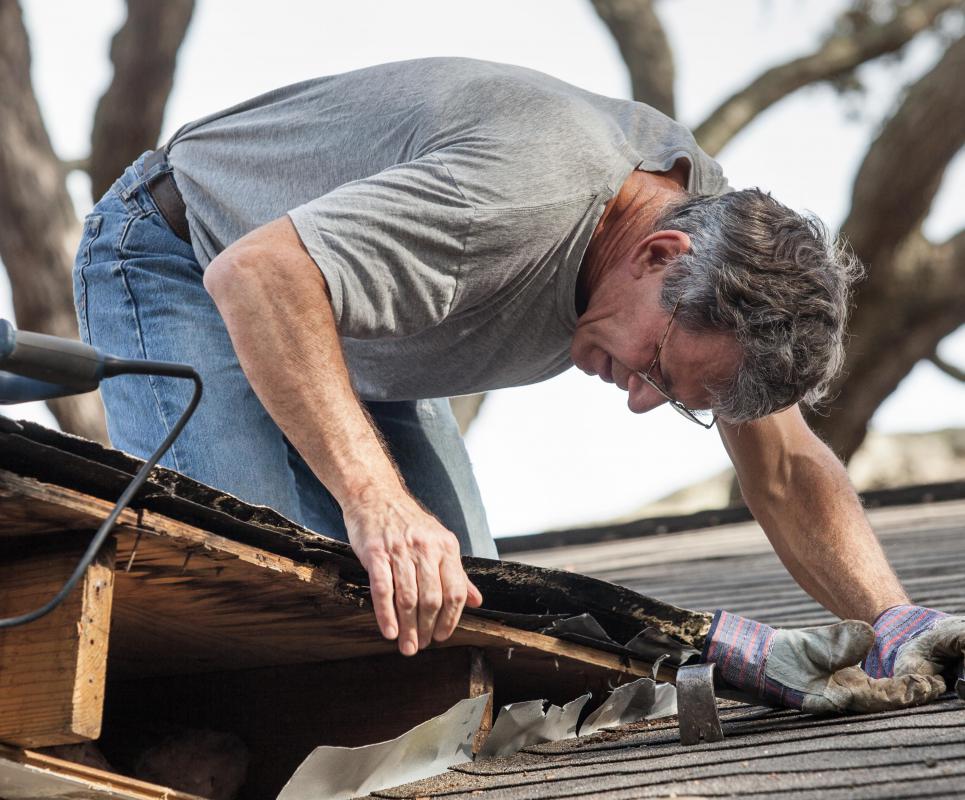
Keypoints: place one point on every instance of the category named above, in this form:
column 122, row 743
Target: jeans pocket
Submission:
column 144, row 236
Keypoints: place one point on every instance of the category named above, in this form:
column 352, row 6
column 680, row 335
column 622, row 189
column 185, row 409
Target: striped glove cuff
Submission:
column 893, row 628
column 739, row 648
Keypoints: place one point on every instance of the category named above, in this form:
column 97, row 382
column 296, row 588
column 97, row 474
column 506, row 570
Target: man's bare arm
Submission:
column 276, row 307
column 801, row 495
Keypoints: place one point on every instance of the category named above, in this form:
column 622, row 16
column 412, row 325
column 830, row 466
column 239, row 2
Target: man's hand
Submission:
column 418, row 584
column 914, row 640
column 812, row 669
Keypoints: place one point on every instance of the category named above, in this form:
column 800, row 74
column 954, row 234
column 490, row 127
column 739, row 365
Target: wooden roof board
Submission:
column 911, row 752
column 186, row 600
column 31, row 452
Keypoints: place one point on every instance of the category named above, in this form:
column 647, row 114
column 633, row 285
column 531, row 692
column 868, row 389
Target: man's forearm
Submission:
column 282, row 327
column 801, row 495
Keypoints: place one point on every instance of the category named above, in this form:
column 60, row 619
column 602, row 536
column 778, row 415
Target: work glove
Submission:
column 812, row 669
column 914, row 640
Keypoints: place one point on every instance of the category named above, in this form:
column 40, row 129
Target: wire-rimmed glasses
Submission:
column 705, row 419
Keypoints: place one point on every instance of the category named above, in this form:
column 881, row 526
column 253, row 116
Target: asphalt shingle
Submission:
column 916, row 752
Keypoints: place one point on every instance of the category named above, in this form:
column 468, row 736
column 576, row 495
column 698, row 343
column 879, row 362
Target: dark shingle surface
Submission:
column 911, row 753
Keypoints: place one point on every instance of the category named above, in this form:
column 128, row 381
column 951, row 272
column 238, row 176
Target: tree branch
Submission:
column 903, row 169
column 645, row 49
column 839, row 54
column 129, row 115
column 39, row 229
column 76, row 165
column 892, row 329
column 948, row 368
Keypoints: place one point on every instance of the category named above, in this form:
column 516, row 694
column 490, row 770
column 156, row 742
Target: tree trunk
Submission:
column 129, row 115
column 645, row 49
column 914, row 295
column 892, row 331
column 39, row 230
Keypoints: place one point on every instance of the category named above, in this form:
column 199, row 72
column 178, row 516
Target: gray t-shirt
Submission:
column 447, row 202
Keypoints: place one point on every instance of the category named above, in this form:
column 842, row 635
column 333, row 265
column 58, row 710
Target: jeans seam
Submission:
column 83, row 324
column 92, row 229
column 81, row 307
column 152, row 379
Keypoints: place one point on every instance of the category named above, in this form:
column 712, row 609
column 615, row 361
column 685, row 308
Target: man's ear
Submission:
column 654, row 252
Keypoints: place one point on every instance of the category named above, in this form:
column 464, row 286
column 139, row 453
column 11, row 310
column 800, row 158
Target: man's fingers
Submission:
column 454, row 587
column 864, row 694
column 418, row 585
column 406, row 603
column 381, row 585
column 474, row 599
column 934, row 650
column 430, row 597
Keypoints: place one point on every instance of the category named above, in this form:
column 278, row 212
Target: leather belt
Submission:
column 167, row 196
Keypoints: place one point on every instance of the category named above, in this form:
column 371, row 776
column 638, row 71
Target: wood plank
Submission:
column 25, row 775
column 190, row 601
column 52, row 670
column 29, row 506
column 493, row 635
column 228, row 604
column 283, row 713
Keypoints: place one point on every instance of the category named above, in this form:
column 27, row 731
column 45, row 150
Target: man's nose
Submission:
column 643, row 397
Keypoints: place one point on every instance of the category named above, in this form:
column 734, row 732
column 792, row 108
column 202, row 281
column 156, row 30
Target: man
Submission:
column 339, row 256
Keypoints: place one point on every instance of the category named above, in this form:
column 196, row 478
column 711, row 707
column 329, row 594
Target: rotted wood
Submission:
column 52, row 670
column 188, row 601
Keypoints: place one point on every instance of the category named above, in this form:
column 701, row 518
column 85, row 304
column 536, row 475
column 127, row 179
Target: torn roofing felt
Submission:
column 519, row 595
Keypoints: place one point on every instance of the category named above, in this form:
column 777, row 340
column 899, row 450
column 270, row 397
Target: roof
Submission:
column 916, row 752
column 219, row 615
column 919, row 752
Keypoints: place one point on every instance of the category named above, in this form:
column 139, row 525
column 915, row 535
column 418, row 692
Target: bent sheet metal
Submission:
column 521, row 724
column 426, row 750
column 642, row 699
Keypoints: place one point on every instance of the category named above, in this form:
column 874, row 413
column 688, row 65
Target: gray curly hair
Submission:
column 777, row 281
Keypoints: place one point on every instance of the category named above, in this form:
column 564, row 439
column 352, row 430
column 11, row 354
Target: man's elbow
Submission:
column 268, row 259
column 218, row 275
column 239, row 269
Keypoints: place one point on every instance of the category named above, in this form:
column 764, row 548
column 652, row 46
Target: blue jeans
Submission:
column 139, row 294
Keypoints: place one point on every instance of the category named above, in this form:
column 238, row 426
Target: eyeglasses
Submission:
column 705, row 419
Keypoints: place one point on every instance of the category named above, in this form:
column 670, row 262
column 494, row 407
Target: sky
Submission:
column 565, row 452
